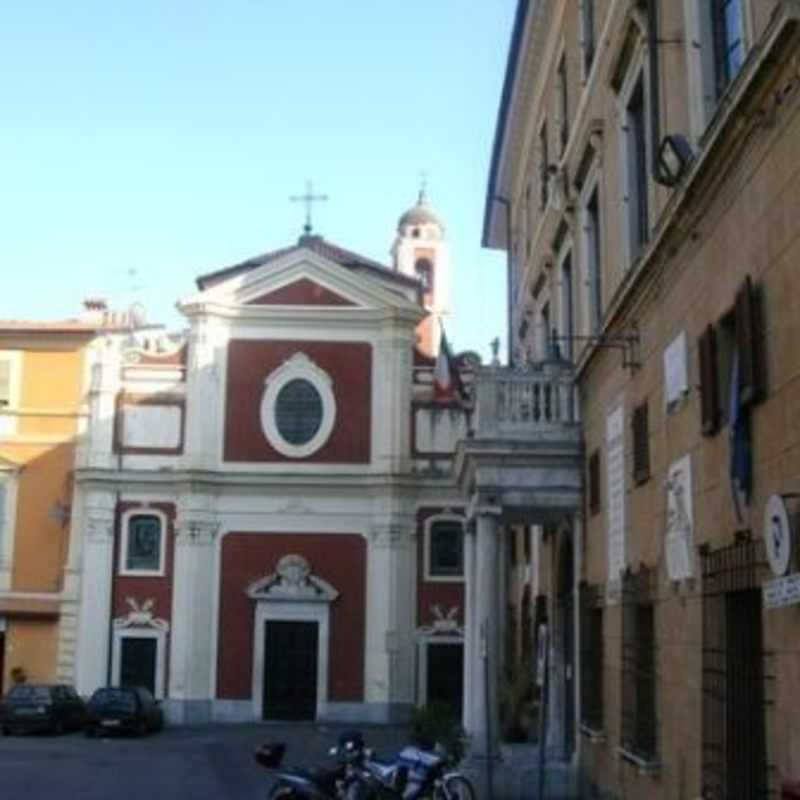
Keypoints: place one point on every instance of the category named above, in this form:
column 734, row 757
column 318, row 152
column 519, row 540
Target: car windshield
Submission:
column 120, row 699
column 29, row 694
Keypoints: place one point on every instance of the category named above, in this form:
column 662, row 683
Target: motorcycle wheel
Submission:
column 457, row 787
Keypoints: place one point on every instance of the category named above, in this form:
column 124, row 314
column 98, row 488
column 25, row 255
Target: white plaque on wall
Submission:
column 676, row 373
column 679, row 533
column 615, row 483
column 152, row 426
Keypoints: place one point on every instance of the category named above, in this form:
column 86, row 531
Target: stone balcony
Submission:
column 524, row 451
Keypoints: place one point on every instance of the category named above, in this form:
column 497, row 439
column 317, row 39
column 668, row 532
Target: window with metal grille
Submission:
column 594, row 482
column 591, row 657
column 298, row 411
column 638, row 735
column 641, row 444
column 734, row 674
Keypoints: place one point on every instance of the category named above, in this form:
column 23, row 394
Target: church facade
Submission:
column 266, row 523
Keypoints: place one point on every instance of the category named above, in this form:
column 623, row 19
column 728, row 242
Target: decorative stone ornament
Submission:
column 301, row 369
column 778, row 535
column 292, row 580
column 444, row 623
column 140, row 616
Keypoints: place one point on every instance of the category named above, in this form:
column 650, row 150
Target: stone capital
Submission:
column 189, row 531
column 100, row 526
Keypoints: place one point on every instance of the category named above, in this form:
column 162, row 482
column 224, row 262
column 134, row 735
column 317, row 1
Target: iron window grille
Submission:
column 639, row 723
column 736, row 679
column 144, row 543
column 591, row 677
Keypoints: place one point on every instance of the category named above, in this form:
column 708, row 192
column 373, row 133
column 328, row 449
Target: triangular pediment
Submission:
column 303, row 278
column 302, row 292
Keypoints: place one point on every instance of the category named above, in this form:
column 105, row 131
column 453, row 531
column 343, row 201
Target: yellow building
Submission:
column 44, row 376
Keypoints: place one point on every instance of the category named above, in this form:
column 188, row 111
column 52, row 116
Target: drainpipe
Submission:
column 655, row 94
column 509, row 264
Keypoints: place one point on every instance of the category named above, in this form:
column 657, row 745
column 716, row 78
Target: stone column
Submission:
column 471, row 654
column 484, row 711
column 389, row 657
column 94, row 615
column 191, row 668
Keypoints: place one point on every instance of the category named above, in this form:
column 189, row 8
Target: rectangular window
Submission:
column 594, row 482
column 641, row 444
column 563, row 105
column 446, row 549
column 544, row 167
column 545, row 326
column 567, row 310
column 587, row 24
column 638, row 735
column 591, row 658
column 5, row 383
column 636, row 159
column 144, row 544
column 594, row 262
column 727, row 28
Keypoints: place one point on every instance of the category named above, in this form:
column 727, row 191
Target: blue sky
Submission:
column 146, row 143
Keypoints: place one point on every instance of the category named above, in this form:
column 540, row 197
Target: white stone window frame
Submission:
column 431, row 577
column 9, row 479
column 8, row 415
column 160, row 637
column 700, row 61
column 423, row 643
column 142, row 511
column 589, row 268
column 298, row 367
column 636, row 71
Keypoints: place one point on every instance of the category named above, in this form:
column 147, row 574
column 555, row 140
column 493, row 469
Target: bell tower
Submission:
column 420, row 251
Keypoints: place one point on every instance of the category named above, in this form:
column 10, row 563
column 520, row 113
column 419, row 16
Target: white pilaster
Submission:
column 484, row 711
column 389, row 667
column 392, row 396
column 94, row 618
column 470, row 628
column 191, row 677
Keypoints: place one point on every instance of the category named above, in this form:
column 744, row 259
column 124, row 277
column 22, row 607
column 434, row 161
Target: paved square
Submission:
column 211, row 762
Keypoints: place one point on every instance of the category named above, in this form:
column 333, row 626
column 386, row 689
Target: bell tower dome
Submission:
column 420, row 251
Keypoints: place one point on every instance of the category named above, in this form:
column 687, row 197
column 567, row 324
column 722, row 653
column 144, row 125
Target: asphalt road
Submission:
column 212, row 762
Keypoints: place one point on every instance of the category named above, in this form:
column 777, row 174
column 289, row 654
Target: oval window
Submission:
column 298, row 411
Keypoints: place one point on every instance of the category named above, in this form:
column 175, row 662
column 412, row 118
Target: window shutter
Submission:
column 709, row 395
column 594, row 482
column 747, row 345
column 641, row 445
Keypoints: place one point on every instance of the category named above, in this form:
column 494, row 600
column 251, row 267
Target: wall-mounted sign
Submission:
column 782, row 592
column 777, row 535
column 676, row 374
column 679, row 533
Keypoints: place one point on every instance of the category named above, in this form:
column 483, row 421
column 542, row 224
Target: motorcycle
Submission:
column 313, row 783
column 415, row 773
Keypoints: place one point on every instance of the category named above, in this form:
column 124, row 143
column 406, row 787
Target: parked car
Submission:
column 38, row 707
column 123, row 709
